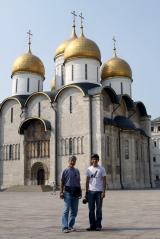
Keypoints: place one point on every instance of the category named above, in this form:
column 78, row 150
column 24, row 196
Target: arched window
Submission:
column 126, row 149
column 121, row 88
column 86, row 73
column 16, row 85
column 28, row 81
column 78, row 145
column 70, row 146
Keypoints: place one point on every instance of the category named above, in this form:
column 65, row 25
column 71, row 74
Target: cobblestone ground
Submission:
column 126, row 214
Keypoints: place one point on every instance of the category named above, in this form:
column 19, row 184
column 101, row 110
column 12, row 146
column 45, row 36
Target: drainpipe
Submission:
column 120, row 160
column 91, row 123
column 149, row 159
column 56, row 145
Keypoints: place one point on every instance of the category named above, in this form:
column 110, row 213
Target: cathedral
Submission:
column 89, row 109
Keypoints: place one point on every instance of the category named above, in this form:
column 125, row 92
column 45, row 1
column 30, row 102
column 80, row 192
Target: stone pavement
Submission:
column 126, row 215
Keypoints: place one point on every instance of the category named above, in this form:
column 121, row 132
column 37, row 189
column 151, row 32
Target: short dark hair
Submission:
column 72, row 158
column 96, row 156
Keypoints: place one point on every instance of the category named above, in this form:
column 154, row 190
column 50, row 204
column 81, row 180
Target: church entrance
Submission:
column 40, row 177
column 39, row 174
column 36, row 150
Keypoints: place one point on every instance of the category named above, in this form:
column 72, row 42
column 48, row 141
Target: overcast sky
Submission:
column 134, row 23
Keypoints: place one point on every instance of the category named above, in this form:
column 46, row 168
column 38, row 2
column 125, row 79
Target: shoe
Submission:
column 98, row 229
column 72, row 229
column 65, row 231
column 90, row 229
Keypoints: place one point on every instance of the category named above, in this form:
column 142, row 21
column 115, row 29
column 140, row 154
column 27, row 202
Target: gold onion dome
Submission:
column 116, row 67
column 53, row 82
column 61, row 48
column 28, row 63
column 82, row 47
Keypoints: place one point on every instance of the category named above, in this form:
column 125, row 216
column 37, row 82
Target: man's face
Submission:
column 94, row 162
column 72, row 163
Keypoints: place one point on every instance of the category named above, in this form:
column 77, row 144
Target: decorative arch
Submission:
column 46, row 124
column 36, row 94
column 141, row 107
column 128, row 101
column 112, row 94
column 8, row 99
column 69, row 86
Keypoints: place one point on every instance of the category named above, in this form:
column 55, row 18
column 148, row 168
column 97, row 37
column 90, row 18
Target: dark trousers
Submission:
column 95, row 202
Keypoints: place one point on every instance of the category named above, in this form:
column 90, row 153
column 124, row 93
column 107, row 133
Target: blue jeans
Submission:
column 70, row 211
column 94, row 199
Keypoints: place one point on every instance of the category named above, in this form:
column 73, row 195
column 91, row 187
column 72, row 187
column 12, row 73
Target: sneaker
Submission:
column 65, row 231
column 90, row 229
column 98, row 229
column 71, row 229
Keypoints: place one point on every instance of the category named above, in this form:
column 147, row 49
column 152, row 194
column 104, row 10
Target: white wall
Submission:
column 22, row 83
column 58, row 71
column 79, row 71
column 115, row 83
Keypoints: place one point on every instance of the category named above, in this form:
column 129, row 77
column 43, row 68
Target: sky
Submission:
column 134, row 23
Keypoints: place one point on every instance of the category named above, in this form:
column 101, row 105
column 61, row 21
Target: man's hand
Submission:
column 61, row 195
column 103, row 195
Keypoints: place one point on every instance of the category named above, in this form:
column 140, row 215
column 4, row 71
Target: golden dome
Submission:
column 28, row 63
column 53, row 84
column 61, row 48
column 116, row 67
column 82, row 47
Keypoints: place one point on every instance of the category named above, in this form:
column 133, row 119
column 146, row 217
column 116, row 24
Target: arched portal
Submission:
column 39, row 174
column 36, row 133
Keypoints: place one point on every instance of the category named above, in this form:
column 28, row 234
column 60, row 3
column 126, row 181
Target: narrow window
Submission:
column 136, row 150
column 38, row 85
column 152, row 128
column 62, row 79
column 121, row 88
column 70, row 104
column 126, row 149
column 97, row 75
column 11, row 115
column 85, row 71
column 107, row 146
column 154, row 159
column 117, row 147
column 72, row 73
column 28, row 85
column 39, row 109
column 10, row 152
column 155, row 144
column 158, row 128
column 70, row 146
column 16, row 85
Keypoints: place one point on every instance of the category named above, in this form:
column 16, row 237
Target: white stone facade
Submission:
column 26, row 83
column 121, row 85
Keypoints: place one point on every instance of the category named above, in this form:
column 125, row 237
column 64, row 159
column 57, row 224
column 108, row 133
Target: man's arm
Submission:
column 104, row 186
column 87, row 184
column 62, row 189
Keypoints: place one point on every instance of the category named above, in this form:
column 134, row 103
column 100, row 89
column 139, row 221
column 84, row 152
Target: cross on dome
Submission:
column 29, row 40
column 114, row 46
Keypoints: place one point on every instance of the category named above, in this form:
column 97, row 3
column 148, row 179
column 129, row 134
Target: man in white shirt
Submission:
column 95, row 191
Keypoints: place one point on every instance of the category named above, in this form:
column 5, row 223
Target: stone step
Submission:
column 29, row 188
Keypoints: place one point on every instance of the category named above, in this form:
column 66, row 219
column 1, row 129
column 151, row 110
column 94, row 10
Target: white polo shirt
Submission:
column 96, row 175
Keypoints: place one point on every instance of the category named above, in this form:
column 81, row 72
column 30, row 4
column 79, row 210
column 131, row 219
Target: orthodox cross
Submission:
column 74, row 17
column 29, row 39
column 82, row 18
column 114, row 45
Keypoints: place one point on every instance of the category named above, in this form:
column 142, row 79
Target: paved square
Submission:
column 126, row 214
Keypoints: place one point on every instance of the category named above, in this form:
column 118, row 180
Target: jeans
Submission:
column 70, row 211
column 94, row 198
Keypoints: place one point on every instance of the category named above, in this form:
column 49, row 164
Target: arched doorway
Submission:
column 41, row 177
column 39, row 174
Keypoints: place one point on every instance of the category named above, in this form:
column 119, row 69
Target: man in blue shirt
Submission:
column 70, row 191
